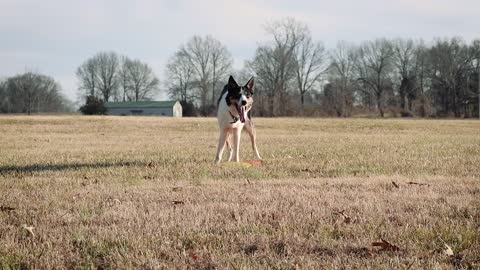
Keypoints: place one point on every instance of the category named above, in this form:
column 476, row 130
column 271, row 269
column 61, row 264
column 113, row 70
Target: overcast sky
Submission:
column 55, row 36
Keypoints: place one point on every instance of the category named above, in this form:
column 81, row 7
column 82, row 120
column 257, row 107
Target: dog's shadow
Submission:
column 15, row 169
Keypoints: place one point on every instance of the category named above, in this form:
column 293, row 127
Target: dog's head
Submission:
column 241, row 97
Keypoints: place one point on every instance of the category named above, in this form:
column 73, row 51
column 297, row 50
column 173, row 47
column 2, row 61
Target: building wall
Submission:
column 141, row 111
column 177, row 110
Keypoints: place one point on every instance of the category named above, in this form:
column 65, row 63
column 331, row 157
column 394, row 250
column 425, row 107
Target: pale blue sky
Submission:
column 55, row 36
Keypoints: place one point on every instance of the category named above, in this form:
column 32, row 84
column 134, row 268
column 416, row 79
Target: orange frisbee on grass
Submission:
column 253, row 162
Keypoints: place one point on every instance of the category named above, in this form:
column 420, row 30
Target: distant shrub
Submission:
column 93, row 106
column 188, row 109
column 406, row 113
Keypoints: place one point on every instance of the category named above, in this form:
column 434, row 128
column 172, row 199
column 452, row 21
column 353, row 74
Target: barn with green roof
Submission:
column 160, row 108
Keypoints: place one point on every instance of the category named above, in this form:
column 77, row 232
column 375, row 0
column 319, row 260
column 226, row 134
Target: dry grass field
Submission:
column 80, row 192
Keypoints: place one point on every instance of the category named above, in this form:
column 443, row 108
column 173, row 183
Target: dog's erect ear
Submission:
column 250, row 84
column 232, row 83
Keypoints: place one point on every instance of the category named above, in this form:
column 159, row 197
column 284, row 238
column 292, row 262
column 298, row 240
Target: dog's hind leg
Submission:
column 253, row 137
column 221, row 146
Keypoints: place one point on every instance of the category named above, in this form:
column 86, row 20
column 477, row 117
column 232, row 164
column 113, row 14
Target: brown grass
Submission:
column 140, row 192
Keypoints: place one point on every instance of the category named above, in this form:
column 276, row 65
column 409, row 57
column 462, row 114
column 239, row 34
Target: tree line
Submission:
column 32, row 93
column 405, row 77
column 112, row 77
column 296, row 75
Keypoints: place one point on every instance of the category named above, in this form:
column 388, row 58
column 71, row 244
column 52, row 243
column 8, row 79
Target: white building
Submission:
column 161, row 108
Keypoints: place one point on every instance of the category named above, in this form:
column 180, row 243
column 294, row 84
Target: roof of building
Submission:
column 141, row 104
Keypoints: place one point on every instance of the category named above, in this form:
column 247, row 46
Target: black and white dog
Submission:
column 233, row 114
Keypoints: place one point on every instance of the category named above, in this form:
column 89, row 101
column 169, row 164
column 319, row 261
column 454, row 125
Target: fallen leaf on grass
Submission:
column 6, row 208
column 250, row 249
column 177, row 202
column 176, row 189
column 448, row 251
column 84, row 184
column 395, row 184
column 151, row 165
column 385, row 246
column 193, row 256
column 29, row 229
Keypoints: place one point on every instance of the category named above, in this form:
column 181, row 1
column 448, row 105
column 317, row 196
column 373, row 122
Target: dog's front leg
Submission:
column 253, row 137
column 236, row 143
column 221, row 146
column 229, row 146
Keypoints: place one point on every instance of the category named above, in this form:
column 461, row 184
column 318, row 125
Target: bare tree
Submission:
column 476, row 53
column 108, row 65
column 197, row 52
column 471, row 95
column 374, row 68
column 450, row 61
column 107, row 74
column 310, row 65
column 98, row 75
column 265, row 67
column 31, row 92
column 208, row 60
column 221, row 66
column 26, row 89
column 342, row 76
column 124, row 79
column 87, row 75
column 274, row 63
column 179, row 82
column 423, row 82
column 49, row 97
column 3, row 97
column 404, row 54
column 141, row 79
column 332, row 99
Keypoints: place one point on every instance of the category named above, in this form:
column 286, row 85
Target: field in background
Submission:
column 143, row 192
